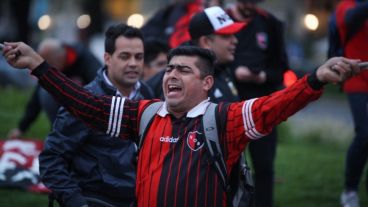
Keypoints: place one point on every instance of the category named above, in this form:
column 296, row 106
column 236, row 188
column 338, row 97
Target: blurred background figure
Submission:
column 75, row 61
column 352, row 24
column 171, row 22
column 14, row 16
column 259, row 64
column 155, row 57
column 155, row 61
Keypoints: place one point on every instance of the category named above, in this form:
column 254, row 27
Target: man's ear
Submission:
column 107, row 58
column 208, row 82
column 205, row 42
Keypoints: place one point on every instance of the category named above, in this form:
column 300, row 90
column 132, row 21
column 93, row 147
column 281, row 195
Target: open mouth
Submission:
column 174, row 89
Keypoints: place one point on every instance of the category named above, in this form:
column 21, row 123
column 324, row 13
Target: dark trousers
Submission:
column 263, row 152
column 48, row 104
column 357, row 154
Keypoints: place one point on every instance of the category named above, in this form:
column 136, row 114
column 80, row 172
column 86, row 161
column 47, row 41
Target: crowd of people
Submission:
column 231, row 58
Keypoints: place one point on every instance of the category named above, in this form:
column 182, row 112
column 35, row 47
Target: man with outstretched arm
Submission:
column 173, row 170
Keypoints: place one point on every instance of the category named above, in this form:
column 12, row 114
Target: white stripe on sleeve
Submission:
column 115, row 116
column 120, row 117
column 249, row 126
column 111, row 114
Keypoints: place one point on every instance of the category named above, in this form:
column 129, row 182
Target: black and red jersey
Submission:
column 174, row 168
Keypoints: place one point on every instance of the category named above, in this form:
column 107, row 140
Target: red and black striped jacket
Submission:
column 173, row 166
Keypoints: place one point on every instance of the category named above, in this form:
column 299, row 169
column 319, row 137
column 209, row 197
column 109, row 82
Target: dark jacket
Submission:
column 223, row 89
column 162, row 23
column 78, row 162
column 261, row 47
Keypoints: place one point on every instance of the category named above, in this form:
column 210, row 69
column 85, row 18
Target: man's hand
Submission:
column 337, row 70
column 244, row 74
column 20, row 55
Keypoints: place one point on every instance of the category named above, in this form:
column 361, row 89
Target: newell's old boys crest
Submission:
column 262, row 40
column 195, row 141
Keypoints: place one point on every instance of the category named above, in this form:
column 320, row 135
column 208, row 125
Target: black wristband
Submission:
column 313, row 81
column 40, row 70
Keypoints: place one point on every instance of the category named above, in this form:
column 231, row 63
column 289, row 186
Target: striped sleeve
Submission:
column 116, row 114
column 110, row 114
column 261, row 115
column 255, row 118
column 249, row 126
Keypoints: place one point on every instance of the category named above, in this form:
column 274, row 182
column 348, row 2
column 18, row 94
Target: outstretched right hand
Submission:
column 20, row 55
column 337, row 70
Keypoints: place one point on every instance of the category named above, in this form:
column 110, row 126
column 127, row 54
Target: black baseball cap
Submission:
column 213, row 20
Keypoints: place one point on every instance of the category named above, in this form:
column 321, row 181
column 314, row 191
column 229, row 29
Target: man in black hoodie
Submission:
column 260, row 61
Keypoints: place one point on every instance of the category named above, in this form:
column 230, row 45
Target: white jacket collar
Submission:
column 198, row 110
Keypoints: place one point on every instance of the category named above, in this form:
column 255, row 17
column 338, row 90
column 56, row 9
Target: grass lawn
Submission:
column 308, row 174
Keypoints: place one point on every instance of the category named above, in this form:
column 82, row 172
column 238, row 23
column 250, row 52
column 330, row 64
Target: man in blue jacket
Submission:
column 82, row 166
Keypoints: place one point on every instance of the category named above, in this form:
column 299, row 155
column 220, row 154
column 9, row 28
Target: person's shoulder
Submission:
column 146, row 90
column 347, row 3
column 263, row 12
column 91, row 86
column 267, row 15
column 65, row 120
column 99, row 86
column 156, row 79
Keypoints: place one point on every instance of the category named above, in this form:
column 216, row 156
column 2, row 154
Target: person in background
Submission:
column 171, row 22
column 75, row 61
column 155, row 57
column 352, row 23
column 259, row 64
column 80, row 165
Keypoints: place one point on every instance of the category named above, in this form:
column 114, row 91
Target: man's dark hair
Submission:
column 117, row 30
column 206, row 57
column 153, row 47
column 196, row 40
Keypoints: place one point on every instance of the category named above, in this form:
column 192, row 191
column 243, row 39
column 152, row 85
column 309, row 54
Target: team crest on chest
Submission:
column 194, row 141
column 262, row 40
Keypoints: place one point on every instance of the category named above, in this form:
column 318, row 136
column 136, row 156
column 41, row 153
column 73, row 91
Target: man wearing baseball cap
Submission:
column 213, row 29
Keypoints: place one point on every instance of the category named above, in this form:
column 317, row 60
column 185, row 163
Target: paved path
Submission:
column 329, row 116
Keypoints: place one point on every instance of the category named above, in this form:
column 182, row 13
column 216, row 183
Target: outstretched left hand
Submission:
column 337, row 70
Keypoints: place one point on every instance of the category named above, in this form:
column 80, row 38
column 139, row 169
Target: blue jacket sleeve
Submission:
column 356, row 17
column 67, row 135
